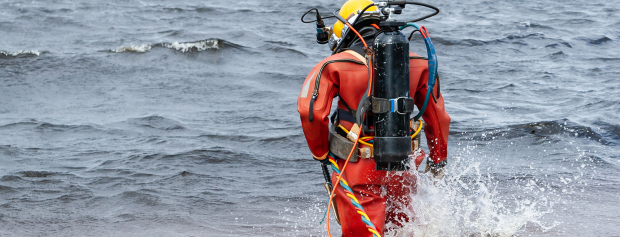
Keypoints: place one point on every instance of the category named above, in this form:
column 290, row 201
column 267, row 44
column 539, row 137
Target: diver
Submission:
column 380, row 193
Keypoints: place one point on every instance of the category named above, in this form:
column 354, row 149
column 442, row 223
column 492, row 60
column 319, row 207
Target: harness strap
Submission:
column 341, row 146
column 346, row 116
column 347, row 105
column 357, row 55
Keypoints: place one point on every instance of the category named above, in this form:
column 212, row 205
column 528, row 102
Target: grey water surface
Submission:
column 178, row 118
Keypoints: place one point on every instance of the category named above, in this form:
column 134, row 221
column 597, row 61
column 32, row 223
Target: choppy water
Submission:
column 167, row 118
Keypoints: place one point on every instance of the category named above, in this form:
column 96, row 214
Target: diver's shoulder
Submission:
column 340, row 56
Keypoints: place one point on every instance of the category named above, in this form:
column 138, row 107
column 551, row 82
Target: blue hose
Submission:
column 432, row 66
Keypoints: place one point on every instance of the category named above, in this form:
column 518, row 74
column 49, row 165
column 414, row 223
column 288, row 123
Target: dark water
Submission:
column 161, row 118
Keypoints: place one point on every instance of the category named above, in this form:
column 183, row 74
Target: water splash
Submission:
column 466, row 203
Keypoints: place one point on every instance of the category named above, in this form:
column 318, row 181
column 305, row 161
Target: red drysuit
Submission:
column 375, row 190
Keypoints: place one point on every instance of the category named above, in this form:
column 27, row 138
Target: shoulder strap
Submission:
column 357, row 55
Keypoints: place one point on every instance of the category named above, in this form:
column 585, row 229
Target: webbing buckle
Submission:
column 401, row 105
column 395, row 109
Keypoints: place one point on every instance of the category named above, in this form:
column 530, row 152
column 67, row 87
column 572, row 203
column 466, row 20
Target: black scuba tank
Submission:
column 391, row 103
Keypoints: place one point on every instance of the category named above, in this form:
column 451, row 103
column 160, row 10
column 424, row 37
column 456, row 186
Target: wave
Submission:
column 280, row 49
column 194, row 46
column 36, row 174
column 146, row 197
column 11, row 178
column 157, row 122
column 527, row 24
column 513, row 39
column 597, row 41
column 5, row 189
column 183, row 47
column 196, row 9
column 557, row 56
column 603, row 59
column 44, row 126
column 214, row 155
column 202, row 156
column 611, row 131
column 555, row 45
column 21, row 53
column 134, row 48
column 539, row 129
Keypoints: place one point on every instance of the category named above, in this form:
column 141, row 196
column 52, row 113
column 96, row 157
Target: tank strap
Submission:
column 401, row 105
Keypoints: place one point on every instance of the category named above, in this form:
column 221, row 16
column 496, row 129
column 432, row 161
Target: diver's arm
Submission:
column 316, row 131
column 436, row 121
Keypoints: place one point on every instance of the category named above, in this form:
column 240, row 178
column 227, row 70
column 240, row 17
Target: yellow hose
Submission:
column 419, row 129
column 370, row 145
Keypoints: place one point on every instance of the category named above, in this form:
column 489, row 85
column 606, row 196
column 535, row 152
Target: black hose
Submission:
column 424, row 5
column 317, row 12
column 411, row 35
column 361, row 13
column 344, row 21
column 326, row 175
column 419, row 4
column 370, row 5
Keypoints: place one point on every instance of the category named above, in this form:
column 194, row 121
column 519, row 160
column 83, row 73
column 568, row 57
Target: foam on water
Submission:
column 455, row 207
column 191, row 46
column 481, row 196
column 20, row 52
column 196, row 46
column 143, row 48
column 465, row 202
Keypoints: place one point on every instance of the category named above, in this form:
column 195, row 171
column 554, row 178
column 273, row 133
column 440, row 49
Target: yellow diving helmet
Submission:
column 350, row 11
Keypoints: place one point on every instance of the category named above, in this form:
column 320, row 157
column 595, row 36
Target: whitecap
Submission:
column 191, row 46
column 21, row 52
column 134, row 48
